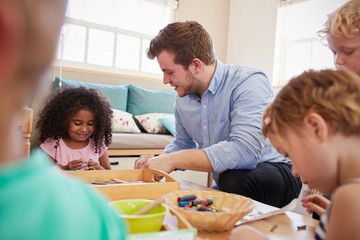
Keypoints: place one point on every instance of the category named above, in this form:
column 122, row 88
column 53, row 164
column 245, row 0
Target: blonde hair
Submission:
column 333, row 94
column 343, row 22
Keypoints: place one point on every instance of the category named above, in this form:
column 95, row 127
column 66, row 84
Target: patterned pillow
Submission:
column 151, row 123
column 123, row 122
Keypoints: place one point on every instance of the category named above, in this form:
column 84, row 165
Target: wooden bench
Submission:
column 134, row 152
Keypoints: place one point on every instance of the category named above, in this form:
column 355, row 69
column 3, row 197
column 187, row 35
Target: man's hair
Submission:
column 343, row 22
column 186, row 40
column 333, row 94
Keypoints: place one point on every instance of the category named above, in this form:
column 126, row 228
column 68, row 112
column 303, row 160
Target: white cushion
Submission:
column 123, row 122
column 151, row 123
column 140, row 140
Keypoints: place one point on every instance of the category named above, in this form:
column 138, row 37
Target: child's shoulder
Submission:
column 345, row 211
column 50, row 140
column 351, row 186
column 347, row 193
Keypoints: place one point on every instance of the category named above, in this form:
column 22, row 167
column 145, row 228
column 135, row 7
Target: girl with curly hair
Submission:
column 74, row 128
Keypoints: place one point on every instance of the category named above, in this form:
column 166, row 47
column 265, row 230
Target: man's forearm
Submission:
column 191, row 159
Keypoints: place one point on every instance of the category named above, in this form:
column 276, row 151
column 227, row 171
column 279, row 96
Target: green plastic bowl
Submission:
column 148, row 222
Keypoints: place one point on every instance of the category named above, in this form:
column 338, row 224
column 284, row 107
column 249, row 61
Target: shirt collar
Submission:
column 217, row 77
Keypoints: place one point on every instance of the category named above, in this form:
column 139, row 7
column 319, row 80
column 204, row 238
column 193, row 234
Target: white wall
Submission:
column 252, row 30
column 213, row 15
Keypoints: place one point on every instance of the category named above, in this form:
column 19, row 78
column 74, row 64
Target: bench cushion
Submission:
column 117, row 94
column 141, row 101
column 139, row 140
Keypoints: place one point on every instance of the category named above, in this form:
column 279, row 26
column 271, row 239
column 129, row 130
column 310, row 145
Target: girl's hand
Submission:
column 246, row 232
column 315, row 203
column 74, row 165
column 94, row 164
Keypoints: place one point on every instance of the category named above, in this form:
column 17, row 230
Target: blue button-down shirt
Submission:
column 226, row 122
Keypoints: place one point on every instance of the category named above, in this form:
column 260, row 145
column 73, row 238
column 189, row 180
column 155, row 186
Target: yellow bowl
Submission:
column 148, row 222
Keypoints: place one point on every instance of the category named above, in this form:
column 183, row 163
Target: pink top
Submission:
column 63, row 154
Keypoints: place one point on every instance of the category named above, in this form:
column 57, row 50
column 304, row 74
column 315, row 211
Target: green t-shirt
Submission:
column 40, row 202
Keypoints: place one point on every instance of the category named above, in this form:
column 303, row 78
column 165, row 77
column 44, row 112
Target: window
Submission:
column 298, row 47
column 113, row 35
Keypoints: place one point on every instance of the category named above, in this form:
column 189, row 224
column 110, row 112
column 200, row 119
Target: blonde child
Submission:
column 75, row 127
column 37, row 201
column 315, row 120
column 342, row 34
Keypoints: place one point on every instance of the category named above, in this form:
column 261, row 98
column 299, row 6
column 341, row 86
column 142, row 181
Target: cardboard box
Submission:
column 149, row 189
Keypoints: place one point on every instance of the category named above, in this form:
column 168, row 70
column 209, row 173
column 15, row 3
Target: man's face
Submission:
column 346, row 52
column 183, row 81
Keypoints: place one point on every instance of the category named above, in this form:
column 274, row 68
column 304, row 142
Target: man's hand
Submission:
column 141, row 161
column 190, row 159
column 162, row 163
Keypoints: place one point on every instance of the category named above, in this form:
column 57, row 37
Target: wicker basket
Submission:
column 236, row 207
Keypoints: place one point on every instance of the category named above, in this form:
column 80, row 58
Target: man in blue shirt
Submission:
column 218, row 116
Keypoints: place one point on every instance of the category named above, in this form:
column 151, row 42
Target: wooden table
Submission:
column 286, row 223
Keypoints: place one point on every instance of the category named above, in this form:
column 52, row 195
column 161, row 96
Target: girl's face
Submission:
column 312, row 160
column 346, row 52
column 82, row 126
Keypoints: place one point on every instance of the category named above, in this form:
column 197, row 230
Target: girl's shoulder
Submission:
column 351, row 186
column 51, row 141
column 344, row 218
column 348, row 193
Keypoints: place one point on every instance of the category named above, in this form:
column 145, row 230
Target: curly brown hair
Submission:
column 55, row 116
column 187, row 40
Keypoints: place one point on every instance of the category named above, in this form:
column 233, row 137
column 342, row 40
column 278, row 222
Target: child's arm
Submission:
column 246, row 233
column 73, row 165
column 344, row 218
column 315, row 203
column 104, row 162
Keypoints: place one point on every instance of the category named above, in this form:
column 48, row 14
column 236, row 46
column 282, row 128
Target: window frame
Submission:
column 113, row 69
column 283, row 44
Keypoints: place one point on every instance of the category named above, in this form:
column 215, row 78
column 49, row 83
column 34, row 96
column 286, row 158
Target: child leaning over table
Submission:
column 315, row 120
column 75, row 127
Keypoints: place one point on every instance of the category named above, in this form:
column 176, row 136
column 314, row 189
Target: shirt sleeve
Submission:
column 49, row 147
column 103, row 149
column 244, row 147
column 182, row 140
